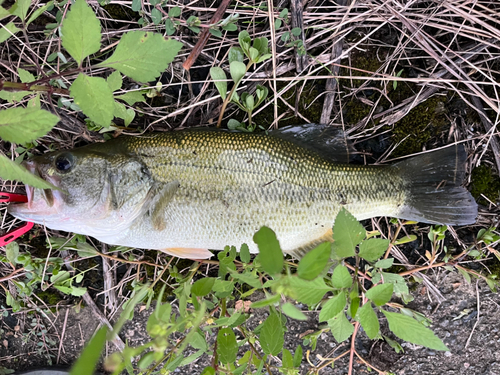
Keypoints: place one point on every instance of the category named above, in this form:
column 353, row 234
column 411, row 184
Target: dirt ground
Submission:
column 467, row 321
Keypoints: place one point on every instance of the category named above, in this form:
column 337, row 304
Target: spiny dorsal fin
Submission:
column 329, row 142
column 159, row 204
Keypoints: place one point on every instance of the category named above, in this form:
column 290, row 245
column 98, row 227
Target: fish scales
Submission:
column 215, row 188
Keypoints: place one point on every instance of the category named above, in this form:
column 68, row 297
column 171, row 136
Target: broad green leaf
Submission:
column 384, row 263
column 287, row 359
column 347, row 233
column 354, row 306
column 219, row 78
column 223, row 288
column 12, row 251
column 131, row 97
column 85, row 250
column 127, row 114
column 341, row 278
column 297, row 356
column 373, row 249
column 369, row 320
column 271, row 335
column 254, row 54
column 308, row 292
column 227, row 347
column 405, row 239
column 115, row 81
column 400, row 287
column 4, row 13
column 380, row 294
column 169, row 27
column 266, row 302
column 88, row 359
column 156, row 16
column 237, row 70
column 314, row 262
column 236, row 54
column 198, row 341
column 81, row 31
column 245, row 253
column 20, row 8
column 270, row 254
column 174, row 12
column 410, row 330
column 94, row 97
column 25, row 76
column 143, row 56
column 203, row 286
column 333, row 307
column 14, row 96
column 38, row 12
column 21, row 125
column 293, row 312
column 15, row 172
column 341, row 328
column 208, row 371
column 246, row 277
column 7, row 31
column 78, row 291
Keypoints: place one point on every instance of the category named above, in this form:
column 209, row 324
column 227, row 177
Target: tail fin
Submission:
column 435, row 192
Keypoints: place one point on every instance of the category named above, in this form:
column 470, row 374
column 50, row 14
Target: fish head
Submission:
column 94, row 187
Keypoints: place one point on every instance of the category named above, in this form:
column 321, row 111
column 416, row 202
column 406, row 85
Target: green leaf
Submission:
column 380, row 294
column 174, row 12
column 244, row 40
column 81, row 31
column 341, row 278
column 87, row 361
column 296, row 31
column 203, row 286
column 22, row 125
column 308, row 292
column 384, row 263
column 115, row 81
column 314, row 262
column 266, row 302
column 369, row 320
column 297, row 356
column 7, row 31
column 227, row 347
column 245, row 253
column 127, row 114
column 25, row 76
column 156, row 16
column 208, row 371
column 38, row 12
column 20, row 8
column 347, row 233
column 373, row 249
column 293, row 312
column 94, row 97
column 169, row 27
column 143, row 56
column 270, row 254
column 237, row 70
column 131, row 97
column 405, row 239
column 15, row 172
column 12, row 251
column 236, row 54
column 14, row 96
column 78, row 291
column 249, row 102
column 247, row 278
column 333, row 307
column 410, row 330
column 219, row 77
column 287, row 359
column 341, row 328
column 271, row 335
column 233, row 124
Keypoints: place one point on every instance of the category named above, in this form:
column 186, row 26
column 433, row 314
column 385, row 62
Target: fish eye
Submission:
column 64, row 162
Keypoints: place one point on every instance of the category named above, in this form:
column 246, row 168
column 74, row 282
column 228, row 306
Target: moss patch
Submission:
column 486, row 182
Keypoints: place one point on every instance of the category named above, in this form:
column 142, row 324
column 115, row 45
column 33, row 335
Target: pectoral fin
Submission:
column 188, row 253
column 160, row 203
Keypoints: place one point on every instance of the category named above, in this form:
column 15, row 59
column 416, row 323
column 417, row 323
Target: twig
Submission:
column 297, row 17
column 62, row 336
column 205, row 34
column 478, row 315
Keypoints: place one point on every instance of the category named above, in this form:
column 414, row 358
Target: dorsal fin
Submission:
column 329, row 142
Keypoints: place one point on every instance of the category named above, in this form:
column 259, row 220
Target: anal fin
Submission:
column 304, row 249
column 188, row 253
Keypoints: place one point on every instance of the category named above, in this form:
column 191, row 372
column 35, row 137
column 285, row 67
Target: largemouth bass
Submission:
column 188, row 191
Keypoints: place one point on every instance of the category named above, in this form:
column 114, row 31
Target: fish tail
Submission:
column 433, row 182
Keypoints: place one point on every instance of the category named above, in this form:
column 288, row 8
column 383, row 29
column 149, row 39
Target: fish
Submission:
column 188, row 192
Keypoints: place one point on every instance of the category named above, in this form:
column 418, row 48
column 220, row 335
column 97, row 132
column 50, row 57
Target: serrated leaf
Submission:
column 143, row 56
column 314, row 262
column 115, row 81
column 373, row 249
column 87, row 360
column 271, row 335
column 237, row 70
column 219, row 77
column 21, row 125
column 340, row 327
column 333, row 307
column 347, row 233
column 203, row 286
column 131, row 97
column 81, row 31
column 410, row 330
column 94, row 97
column 341, row 278
column 369, row 320
column 20, row 8
column 227, row 347
column 12, row 251
column 25, row 76
column 14, row 96
column 270, row 254
column 127, row 114
column 380, row 294
column 15, row 172
column 7, row 31
column 293, row 312
column 308, row 292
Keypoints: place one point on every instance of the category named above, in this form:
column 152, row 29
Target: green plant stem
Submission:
column 17, row 86
column 228, row 98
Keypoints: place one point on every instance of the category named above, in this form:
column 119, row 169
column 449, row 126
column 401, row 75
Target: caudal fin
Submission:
column 435, row 193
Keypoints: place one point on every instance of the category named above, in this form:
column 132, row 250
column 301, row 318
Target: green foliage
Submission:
column 23, row 125
column 270, row 254
column 314, row 262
